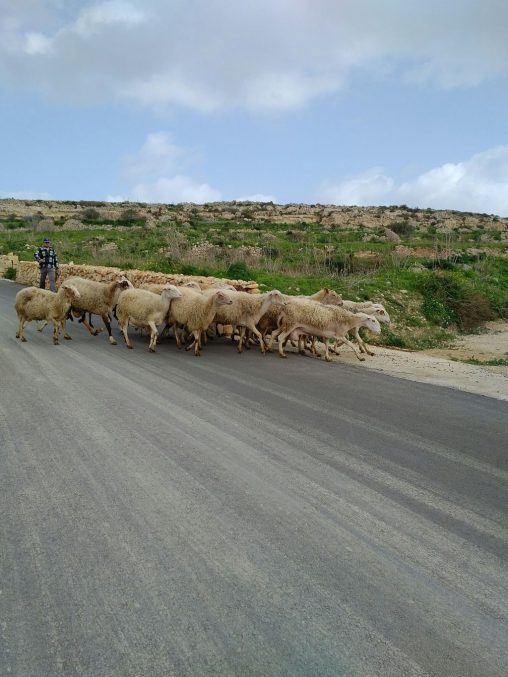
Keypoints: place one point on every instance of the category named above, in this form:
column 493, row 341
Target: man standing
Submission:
column 48, row 263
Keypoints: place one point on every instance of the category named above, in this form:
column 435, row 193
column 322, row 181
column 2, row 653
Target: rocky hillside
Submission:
column 47, row 215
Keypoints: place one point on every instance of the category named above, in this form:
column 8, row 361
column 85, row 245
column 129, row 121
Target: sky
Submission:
column 347, row 102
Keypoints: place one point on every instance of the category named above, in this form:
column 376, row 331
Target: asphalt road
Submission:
column 243, row 515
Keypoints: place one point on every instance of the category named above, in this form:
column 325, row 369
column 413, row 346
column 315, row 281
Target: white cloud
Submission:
column 37, row 43
column 479, row 184
column 101, row 15
column 263, row 55
column 367, row 188
column 257, row 197
column 175, row 189
column 155, row 173
column 115, row 198
column 25, row 195
column 158, row 156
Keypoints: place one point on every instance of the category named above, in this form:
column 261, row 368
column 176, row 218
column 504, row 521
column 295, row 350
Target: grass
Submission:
column 496, row 362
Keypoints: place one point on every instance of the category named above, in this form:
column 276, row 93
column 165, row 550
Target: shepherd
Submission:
column 48, row 264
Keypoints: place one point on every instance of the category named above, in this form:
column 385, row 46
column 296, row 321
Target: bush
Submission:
column 238, row 271
column 10, row 273
column 402, row 228
column 449, row 300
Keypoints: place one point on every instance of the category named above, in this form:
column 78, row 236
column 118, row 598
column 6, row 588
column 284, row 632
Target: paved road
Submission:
column 239, row 515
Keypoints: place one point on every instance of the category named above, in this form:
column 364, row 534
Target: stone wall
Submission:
column 8, row 261
column 27, row 272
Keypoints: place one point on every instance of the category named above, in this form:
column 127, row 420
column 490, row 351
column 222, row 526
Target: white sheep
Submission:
column 269, row 321
column 98, row 298
column 33, row 303
column 323, row 321
column 196, row 311
column 377, row 310
column 246, row 311
column 143, row 308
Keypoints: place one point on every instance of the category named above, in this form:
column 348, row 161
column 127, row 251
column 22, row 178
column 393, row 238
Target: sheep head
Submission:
column 222, row 298
column 124, row 283
column 170, row 291
column 332, row 298
column 70, row 292
column 276, row 298
column 380, row 313
column 370, row 322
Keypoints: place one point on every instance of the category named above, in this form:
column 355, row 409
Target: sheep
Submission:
column 375, row 309
column 33, row 303
column 196, row 312
column 246, row 311
column 98, row 298
column 143, row 308
column 192, row 284
column 324, row 321
column 269, row 321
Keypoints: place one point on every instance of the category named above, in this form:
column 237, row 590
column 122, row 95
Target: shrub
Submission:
column 238, row 271
column 449, row 300
column 91, row 214
column 402, row 228
column 10, row 273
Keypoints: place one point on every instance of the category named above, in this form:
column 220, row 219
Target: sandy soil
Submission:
column 439, row 366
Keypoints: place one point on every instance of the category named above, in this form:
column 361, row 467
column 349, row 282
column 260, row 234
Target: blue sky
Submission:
column 365, row 102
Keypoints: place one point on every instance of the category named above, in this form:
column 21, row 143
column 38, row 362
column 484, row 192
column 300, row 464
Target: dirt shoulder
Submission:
column 439, row 367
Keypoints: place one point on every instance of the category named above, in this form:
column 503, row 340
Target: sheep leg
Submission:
column 274, row 335
column 44, row 323
column 177, row 336
column 56, row 332
column 123, row 329
column 153, row 336
column 90, row 328
column 302, row 344
column 107, row 322
column 259, row 336
column 20, row 333
column 282, row 339
column 361, row 343
column 196, row 343
column 351, row 345
column 327, row 354
column 241, row 338
column 65, row 332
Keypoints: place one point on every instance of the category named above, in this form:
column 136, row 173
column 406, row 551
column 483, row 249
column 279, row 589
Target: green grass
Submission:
column 496, row 362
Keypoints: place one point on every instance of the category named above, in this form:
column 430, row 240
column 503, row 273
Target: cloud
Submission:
column 156, row 173
column 257, row 197
column 265, row 55
column 479, row 184
column 158, row 156
column 176, row 189
column 101, row 15
column 25, row 195
column 368, row 188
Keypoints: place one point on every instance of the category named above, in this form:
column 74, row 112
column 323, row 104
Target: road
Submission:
column 243, row 515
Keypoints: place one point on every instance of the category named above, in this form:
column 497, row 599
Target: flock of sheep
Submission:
column 194, row 313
